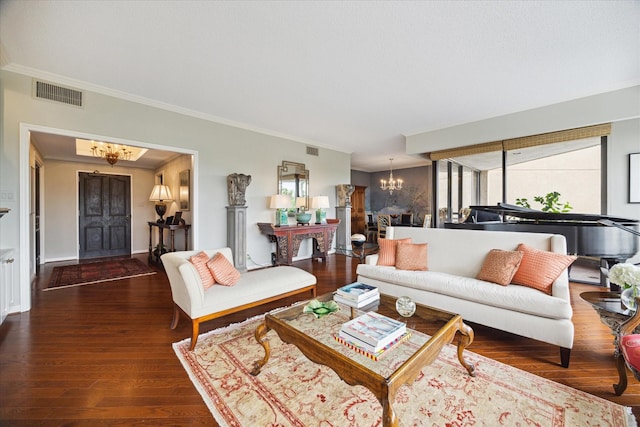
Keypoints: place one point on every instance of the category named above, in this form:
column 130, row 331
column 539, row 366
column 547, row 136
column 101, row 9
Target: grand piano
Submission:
column 609, row 238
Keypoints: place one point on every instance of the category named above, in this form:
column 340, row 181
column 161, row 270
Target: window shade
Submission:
column 524, row 142
column 466, row 151
column 555, row 137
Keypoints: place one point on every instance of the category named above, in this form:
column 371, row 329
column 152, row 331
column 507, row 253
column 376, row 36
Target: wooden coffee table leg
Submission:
column 389, row 418
column 261, row 337
column 465, row 340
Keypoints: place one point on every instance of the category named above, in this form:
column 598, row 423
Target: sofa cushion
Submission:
column 387, row 252
column 199, row 261
column 539, row 269
column 222, row 270
column 411, row 256
column 512, row 297
column 500, row 266
column 630, row 346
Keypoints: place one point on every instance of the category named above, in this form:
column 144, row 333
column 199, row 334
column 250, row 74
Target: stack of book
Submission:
column 372, row 334
column 357, row 295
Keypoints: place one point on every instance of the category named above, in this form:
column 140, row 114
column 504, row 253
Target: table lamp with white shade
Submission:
column 281, row 203
column 320, row 203
column 161, row 194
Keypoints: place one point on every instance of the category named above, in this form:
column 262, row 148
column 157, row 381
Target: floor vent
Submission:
column 44, row 90
column 312, row 151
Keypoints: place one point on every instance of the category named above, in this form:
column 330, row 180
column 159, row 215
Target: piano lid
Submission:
column 526, row 213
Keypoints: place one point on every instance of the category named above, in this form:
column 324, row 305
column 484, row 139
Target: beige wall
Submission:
column 219, row 150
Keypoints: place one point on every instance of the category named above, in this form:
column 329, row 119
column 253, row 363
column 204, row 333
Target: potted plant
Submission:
column 550, row 203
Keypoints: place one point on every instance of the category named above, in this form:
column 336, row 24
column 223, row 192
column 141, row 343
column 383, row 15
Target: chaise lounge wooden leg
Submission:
column 565, row 353
column 195, row 329
column 176, row 316
column 622, row 374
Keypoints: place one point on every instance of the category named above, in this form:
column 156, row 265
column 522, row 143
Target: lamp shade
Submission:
column 280, row 201
column 160, row 193
column 320, row 202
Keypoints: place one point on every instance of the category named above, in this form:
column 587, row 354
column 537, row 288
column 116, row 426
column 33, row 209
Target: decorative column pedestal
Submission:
column 237, row 235
column 343, row 234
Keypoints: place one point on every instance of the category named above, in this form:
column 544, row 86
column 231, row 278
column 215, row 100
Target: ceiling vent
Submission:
column 51, row 92
column 312, row 151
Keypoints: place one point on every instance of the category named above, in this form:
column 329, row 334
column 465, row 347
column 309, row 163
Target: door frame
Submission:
column 24, row 177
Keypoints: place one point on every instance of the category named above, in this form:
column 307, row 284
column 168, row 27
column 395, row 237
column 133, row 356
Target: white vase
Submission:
column 628, row 297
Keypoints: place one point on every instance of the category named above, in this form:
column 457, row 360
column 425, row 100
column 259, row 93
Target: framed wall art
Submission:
column 634, row 178
column 184, row 190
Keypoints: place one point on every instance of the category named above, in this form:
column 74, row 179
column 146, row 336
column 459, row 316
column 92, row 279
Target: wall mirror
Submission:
column 293, row 181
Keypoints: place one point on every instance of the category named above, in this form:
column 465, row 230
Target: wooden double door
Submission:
column 358, row 212
column 105, row 215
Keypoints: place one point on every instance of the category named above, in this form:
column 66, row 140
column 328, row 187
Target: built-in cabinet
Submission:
column 6, row 282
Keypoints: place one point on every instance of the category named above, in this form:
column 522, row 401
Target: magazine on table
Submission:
column 373, row 301
column 373, row 329
column 357, row 291
column 367, row 350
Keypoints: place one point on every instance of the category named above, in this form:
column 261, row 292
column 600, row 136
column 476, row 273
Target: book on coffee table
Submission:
column 373, row 330
column 365, row 303
column 366, row 350
column 357, row 291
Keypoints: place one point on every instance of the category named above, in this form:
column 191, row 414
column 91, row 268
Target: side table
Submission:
column 361, row 251
column 611, row 311
column 172, row 229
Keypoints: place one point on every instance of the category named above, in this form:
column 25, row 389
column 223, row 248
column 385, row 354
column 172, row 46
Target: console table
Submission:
column 172, row 229
column 289, row 237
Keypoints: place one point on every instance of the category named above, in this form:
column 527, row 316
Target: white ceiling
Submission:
column 357, row 76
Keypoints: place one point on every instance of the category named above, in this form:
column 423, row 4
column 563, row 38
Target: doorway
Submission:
column 104, row 215
column 27, row 228
column 358, row 210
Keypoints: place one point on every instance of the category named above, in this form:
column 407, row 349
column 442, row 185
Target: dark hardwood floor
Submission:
column 101, row 354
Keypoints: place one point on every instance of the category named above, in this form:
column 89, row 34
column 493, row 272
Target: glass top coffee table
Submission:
column 315, row 337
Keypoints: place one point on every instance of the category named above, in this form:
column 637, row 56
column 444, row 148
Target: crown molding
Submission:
column 83, row 85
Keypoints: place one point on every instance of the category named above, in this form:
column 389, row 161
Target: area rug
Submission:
column 292, row 391
column 96, row 272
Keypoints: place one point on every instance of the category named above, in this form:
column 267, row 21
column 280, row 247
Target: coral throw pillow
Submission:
column 387, row 252
column 223, row 271
column 411, row 256
column 539, row 269
column 199, row 261
column 500, row 266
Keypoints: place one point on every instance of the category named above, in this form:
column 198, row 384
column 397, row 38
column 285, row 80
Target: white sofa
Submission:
column 454, row 259
column 254, row 288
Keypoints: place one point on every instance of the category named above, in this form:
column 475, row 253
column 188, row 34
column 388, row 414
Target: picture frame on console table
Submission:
column 634, row 178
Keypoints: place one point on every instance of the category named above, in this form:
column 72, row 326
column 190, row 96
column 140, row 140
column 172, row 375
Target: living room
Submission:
column 216, row 143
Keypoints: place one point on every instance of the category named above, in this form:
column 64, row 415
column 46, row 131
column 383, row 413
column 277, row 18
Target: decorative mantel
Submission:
column 289, row 238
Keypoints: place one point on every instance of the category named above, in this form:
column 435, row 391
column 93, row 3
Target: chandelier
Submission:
column 393, row 184
column 110, row 152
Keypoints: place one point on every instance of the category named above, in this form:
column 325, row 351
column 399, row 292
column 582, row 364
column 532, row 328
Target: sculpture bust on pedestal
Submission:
column 237, row 184
column 343, row 193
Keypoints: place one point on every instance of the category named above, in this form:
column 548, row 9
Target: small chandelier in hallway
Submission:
column 393, row 184
column 110, row 152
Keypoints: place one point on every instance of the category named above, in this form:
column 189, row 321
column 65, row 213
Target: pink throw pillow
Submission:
column 539, row 269
column 500, row 266
column 199, row 261
column 222, row 270
column 411, row 256
column 387, row 252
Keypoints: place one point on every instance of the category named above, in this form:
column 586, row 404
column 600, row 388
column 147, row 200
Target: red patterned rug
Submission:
column 292, row 391
column 96, row 272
